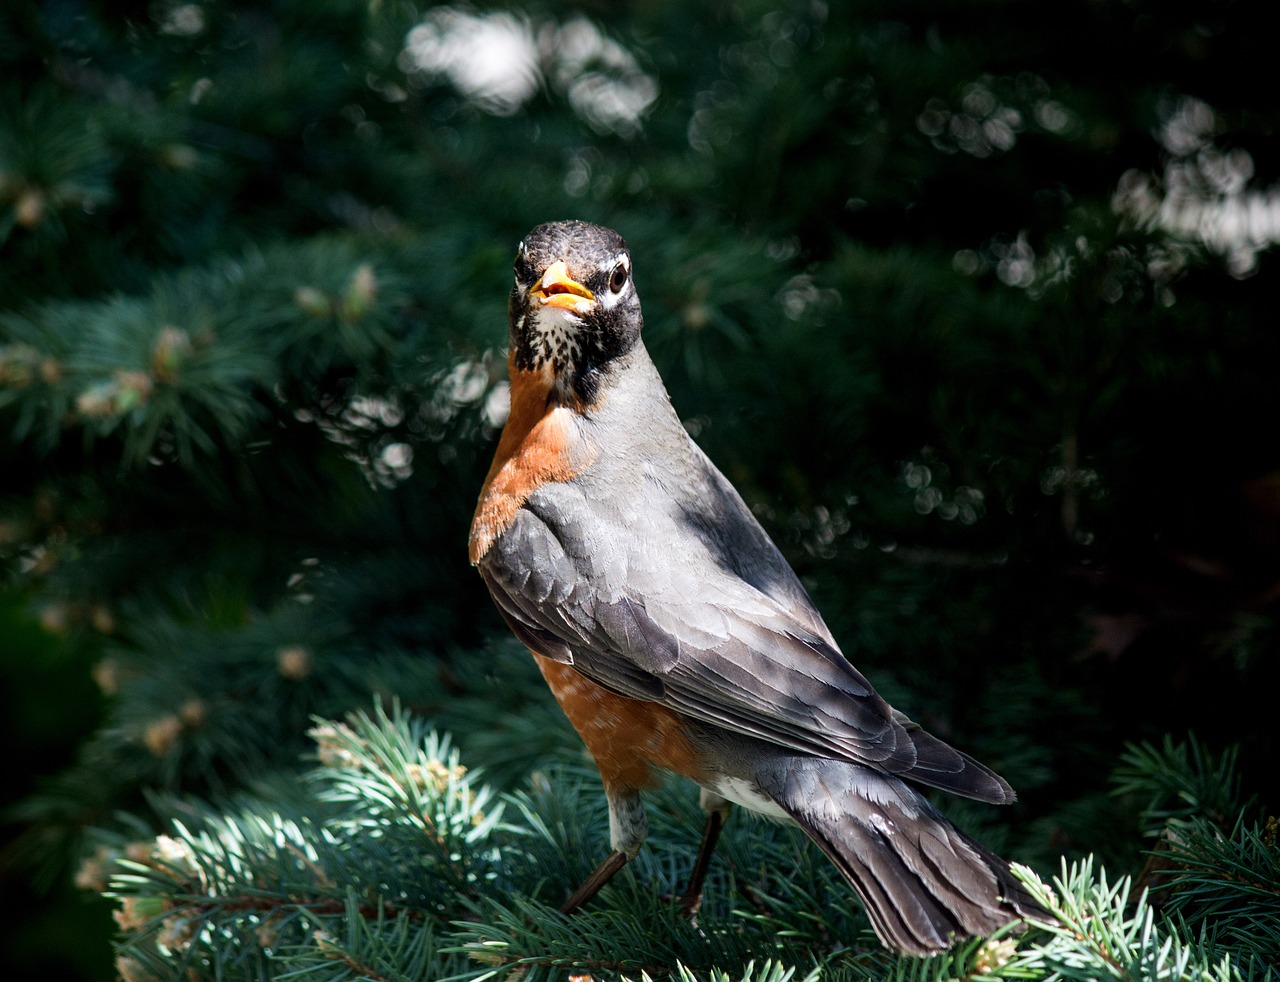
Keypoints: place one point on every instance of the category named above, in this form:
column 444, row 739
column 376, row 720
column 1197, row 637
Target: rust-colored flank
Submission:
column 625, row 736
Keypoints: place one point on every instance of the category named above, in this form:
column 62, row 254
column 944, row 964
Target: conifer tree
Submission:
column 970, row 302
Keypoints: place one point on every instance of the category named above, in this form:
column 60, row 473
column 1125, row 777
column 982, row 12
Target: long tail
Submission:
column 924, row 883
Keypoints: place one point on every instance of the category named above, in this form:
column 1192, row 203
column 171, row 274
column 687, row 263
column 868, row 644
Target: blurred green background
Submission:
column 974, row 302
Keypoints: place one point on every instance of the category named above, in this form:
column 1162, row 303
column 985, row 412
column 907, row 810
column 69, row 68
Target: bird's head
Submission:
column 574, row 307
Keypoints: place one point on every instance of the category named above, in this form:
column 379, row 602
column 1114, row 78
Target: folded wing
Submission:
column 703, row 641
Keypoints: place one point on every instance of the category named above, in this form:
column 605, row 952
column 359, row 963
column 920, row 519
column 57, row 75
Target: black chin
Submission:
column 585, row 383
column 581, row 375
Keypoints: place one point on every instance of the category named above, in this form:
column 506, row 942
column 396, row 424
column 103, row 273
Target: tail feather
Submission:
column 942, row 766
column 924, row 883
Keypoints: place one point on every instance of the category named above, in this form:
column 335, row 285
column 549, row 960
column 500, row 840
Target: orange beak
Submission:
column 559, row 289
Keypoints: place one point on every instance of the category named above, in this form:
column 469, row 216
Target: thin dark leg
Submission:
column 692, row 898
column 601, row 875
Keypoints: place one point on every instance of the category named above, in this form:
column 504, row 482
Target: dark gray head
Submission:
column 574, row 307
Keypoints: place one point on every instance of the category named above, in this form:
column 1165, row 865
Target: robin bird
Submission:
column 676, row 637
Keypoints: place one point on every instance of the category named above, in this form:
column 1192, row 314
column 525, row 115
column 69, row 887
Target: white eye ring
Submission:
column 618, row 278
column 619, row 281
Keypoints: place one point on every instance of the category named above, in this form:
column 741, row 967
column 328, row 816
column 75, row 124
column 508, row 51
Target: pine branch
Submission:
column 1226, row 887
column 201, row 362
column 767, row 972
column 385, row 849
column 394, row 862
column 1213, row 871
column 1179, row 781
column 1096, row 934
column 381, row 947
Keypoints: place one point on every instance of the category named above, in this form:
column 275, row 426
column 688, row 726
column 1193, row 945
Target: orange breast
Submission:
column 627, row 737
column 534, row 450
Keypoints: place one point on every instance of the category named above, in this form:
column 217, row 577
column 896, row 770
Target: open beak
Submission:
column 559, row 289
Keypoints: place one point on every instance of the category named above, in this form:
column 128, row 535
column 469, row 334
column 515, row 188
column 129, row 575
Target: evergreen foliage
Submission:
column 391, row 861
column 971, row 301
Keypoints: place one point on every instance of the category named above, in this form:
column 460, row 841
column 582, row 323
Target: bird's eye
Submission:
column 618, row 278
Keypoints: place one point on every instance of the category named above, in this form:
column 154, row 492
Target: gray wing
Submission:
column 654, row 614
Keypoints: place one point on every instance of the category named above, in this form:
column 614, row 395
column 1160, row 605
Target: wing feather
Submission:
column 722, row 652
column 689, row 633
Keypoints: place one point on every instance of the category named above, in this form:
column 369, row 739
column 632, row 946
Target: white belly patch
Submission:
column 744, row 793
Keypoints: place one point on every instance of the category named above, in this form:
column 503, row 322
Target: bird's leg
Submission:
column 628, row 829
column 601, row 875
column 717, row 810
